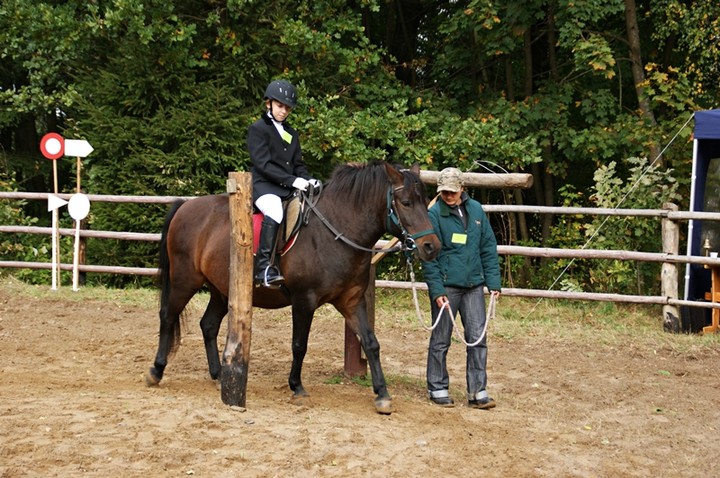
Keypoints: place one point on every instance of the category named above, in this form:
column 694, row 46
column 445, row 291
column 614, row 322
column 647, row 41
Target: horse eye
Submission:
column 405, row 203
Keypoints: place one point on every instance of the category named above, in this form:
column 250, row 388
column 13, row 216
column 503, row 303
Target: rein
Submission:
column 408, row 240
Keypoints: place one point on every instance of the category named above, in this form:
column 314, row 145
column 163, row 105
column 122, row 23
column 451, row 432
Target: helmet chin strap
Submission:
column 272, row 116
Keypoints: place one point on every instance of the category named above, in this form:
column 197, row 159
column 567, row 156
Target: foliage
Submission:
column 690, row 31
column 165, row 90
column 21, row 247
column 645, row 188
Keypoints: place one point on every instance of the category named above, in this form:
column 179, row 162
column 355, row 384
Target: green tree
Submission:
column 164, row 91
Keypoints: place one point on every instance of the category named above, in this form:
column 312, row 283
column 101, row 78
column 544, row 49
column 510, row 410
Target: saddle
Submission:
column 295, row 216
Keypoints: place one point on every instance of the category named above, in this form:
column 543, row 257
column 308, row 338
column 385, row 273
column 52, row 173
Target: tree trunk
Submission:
column 551, row 42
column 527, row 49
column 633, row 35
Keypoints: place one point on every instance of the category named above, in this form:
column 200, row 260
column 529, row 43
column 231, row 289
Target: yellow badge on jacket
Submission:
column 286, row 136
column 458, row 238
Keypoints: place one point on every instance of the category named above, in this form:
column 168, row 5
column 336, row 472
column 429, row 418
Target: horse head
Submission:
column 408, row 216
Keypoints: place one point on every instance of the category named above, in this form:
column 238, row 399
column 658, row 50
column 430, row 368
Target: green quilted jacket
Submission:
column 468, row 257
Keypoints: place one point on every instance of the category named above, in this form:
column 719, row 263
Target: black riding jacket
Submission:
column 276, row 162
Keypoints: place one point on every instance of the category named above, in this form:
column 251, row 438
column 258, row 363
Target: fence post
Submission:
column 236, row 356
column 669, row 283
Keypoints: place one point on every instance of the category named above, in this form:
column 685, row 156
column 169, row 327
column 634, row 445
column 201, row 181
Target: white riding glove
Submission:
column 314, row 182
column 300, row 183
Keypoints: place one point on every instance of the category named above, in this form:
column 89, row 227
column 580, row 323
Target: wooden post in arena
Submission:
column 236, row 356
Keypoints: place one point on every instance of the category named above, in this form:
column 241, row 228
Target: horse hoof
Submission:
column 300, row 400
column 383, row 406
column 151, row 380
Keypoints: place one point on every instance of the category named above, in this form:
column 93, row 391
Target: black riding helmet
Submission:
column 282, row 91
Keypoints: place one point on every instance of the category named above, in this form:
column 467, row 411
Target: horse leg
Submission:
column 358, row 322
column 210, row 326
column 169, row 323
column 169, row 339
column 302, row 314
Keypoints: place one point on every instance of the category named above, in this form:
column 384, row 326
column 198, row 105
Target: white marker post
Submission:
column 79, row 207
column 53, row 146
column 55, row 203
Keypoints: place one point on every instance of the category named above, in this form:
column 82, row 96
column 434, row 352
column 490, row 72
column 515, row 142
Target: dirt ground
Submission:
column 73, row 402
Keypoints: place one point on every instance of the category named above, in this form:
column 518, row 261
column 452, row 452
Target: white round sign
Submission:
column 53, row 146
column 79, row 206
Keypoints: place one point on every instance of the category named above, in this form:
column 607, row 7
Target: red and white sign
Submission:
column 52, row 146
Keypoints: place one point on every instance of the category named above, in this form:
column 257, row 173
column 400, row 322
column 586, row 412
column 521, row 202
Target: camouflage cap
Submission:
column 449, row 180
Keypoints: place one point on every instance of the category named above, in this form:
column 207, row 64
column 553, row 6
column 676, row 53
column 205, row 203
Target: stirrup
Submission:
column 270, row 282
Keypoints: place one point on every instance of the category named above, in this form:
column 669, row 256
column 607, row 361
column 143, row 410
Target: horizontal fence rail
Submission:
column 507, row 250
column 567, row 295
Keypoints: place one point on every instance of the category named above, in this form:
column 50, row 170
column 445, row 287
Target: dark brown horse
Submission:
column 329, row 262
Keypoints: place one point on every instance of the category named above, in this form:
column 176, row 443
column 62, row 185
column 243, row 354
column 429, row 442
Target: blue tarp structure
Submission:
column 704, row 197
column 707, row 124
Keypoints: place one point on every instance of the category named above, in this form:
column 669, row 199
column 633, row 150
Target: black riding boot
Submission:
column 265, row 272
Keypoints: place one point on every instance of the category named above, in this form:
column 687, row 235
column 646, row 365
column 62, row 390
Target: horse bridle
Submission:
column 407, row 244
column 408, row 240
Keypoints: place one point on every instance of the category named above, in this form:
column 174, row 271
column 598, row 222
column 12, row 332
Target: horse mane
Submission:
column 358, row 181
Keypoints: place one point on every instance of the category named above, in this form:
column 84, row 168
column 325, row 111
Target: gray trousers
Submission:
column 470, row 304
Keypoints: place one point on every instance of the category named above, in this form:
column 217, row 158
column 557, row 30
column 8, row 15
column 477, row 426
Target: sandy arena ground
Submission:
column 73, row 402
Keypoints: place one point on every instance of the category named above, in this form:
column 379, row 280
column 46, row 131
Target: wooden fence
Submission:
column 670, row 257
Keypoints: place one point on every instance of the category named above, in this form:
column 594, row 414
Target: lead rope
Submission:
column 490, row 314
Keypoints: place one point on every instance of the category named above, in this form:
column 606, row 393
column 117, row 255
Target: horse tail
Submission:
column 164, row 279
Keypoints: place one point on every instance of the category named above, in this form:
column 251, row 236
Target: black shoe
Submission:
column 482, row 403
column 443, row 401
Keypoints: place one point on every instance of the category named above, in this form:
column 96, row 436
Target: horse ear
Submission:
column 396, row 177
column 415, row 168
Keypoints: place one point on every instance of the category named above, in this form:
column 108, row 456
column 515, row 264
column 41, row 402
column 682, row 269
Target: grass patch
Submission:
column 143, row 297
column 362, row 380
column 148, row 298
column 550, row 320
column 517, row 319
column 335, row 380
